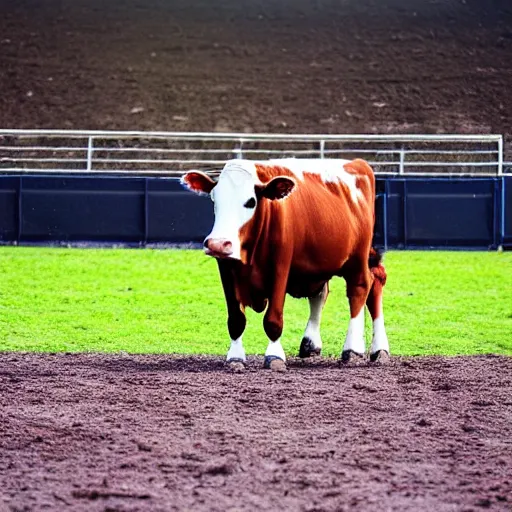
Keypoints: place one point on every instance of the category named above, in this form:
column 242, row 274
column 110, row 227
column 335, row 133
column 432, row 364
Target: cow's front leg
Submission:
column 358, row 288
column 236, row 325
column 311, row 343
column 236, row 318
column 275, row 358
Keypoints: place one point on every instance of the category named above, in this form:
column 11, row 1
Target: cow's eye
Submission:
column 251, row 203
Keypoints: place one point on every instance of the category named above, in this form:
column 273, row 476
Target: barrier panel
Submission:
column 439, row 212
column 412, row 212
column 506, row 222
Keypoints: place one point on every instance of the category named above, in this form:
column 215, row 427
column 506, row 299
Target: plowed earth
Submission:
column 103, row 432
column 307, row 66
column 112, row 432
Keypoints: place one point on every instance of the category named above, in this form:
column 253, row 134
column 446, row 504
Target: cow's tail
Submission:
column 376, row 266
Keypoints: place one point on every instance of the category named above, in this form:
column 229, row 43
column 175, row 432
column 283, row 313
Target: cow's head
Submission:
column 236, row 196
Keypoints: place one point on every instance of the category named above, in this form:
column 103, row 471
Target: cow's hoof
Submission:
column 308, row 349
column 381, row 356
column 236, row 365
column 274, row 363
column 349, row 356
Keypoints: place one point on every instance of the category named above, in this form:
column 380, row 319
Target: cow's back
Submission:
column 328, row 217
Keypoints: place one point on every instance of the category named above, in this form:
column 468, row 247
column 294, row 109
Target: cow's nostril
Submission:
column 218, row 246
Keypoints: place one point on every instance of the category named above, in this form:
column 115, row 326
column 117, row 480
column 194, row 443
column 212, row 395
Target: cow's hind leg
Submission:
column 311, row 344
column 359, row 281
column 379, row 351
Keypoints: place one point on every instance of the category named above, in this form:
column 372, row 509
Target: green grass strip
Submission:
column 171, row 301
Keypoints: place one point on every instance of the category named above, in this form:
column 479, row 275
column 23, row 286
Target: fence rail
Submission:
column 172, row 153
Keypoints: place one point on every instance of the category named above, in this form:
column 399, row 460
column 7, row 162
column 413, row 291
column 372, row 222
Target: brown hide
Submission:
column 315, row 233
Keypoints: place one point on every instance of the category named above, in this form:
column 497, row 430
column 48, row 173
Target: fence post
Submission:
column 503, row 182
column 404, row 189
column 495, row 213
column 322, row 148
column 146, row 211
column 20, row 211
column 385, row 213
column 502, row 198
column 500, row 155
column 239, row 150
column 90, row 149
column 401, row 169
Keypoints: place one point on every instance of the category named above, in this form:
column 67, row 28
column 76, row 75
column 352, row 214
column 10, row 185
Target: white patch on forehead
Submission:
column 239, row 169
column 235, row 172
column 234, row 188
column 330, row 170
column 237, row 176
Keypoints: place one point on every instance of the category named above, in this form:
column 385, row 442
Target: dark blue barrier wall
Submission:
column 439, row 212
column 411, row 212
column 507, row 212
column 100, row 209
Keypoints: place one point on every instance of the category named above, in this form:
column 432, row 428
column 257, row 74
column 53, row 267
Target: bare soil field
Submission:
column 125, row 433
column 319, row 66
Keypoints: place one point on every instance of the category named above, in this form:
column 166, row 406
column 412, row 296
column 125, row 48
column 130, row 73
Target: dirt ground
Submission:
column 126, row 433
column 317, row 66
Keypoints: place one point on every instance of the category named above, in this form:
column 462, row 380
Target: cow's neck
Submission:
column 255, row 234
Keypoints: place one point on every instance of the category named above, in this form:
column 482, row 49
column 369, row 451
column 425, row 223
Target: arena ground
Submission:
column 319, row 66
column 125, row 433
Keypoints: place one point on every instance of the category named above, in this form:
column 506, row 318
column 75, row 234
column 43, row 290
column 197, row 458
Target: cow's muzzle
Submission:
column 218, row 247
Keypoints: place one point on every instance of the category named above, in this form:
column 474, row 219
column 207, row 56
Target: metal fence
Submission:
column 172, row 153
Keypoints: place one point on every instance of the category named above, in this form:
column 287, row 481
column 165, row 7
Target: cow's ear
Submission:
column 277, row 188
column 197, row 181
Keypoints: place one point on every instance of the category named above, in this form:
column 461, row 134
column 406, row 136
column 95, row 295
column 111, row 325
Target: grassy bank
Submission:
column 171, row 301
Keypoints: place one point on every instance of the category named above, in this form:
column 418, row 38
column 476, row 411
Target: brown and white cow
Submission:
column 289, row 226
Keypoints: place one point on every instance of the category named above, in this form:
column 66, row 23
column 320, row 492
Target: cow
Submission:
column 287, row 226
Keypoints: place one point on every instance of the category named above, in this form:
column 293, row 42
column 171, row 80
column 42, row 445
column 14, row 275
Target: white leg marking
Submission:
column 275, row 349
column 236, row 350
column 380, row 338
column 316, row 305
column 355, row 335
